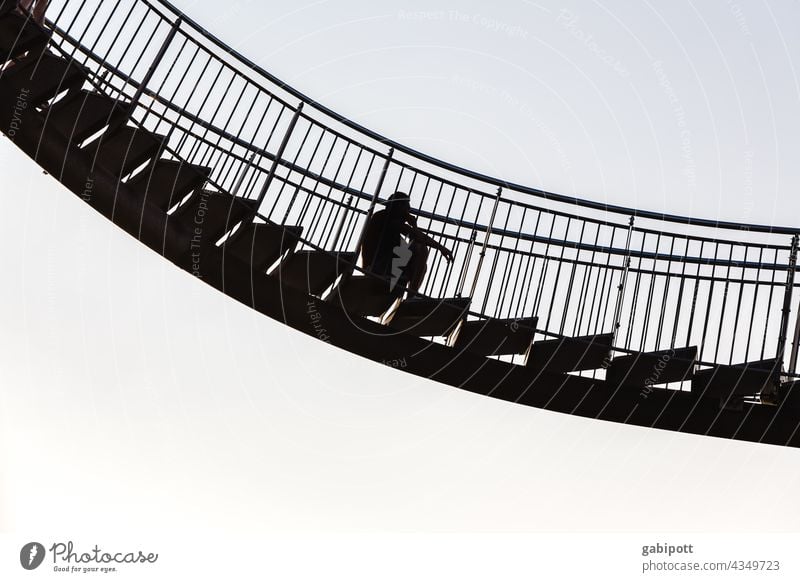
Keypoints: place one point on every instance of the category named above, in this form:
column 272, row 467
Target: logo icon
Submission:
column 402, row 255
column 31, row 555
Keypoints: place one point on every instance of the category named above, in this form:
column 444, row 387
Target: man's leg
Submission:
column 417, row 267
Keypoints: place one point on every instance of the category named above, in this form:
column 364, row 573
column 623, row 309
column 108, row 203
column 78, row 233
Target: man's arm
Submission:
column 417, row 234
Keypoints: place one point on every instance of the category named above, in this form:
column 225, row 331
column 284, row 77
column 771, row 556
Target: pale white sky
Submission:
column 135, row 397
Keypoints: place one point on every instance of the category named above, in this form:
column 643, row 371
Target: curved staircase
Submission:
column 559, row 303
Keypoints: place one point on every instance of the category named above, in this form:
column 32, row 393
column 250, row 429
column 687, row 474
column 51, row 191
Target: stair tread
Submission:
column 491, row 337
column 658, row 367
column 212, row 214
column 42, row 77
column 167, row 182
column 125, row 149
column 314, row 271
column 571, row 354
column 261, row 244
column 19, row 34
column 747, row 378
column 361, row 295
column 429, row 317
column 83, row 115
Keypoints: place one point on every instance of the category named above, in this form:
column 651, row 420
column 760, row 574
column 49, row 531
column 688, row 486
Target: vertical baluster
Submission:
column 275, row 161
column 462, row 278
column 152, row 69
column 757, row 287
column 485, row 243
column 341, row 222
column 622, row 282
column 769, row 305
column 787, row 303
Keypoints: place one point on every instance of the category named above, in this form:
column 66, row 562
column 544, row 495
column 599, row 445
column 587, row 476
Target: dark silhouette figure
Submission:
column 394, row 247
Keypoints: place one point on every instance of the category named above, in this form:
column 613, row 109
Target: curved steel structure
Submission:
column 552, row 301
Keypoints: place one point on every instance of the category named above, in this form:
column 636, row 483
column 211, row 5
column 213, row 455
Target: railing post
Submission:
column 795, row 344
column 341, row 223
column 462, row 278
column 485, row 243
column 151, row 71
column 275, row 161
column 787, row 305
column 623, row 280
column 240, row 179
column 372, row 203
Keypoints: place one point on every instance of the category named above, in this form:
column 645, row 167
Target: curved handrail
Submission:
column 595, row 261
column 350, row 190
column 538, row 192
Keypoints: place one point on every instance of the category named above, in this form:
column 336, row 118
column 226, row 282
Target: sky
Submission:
column 133, row 395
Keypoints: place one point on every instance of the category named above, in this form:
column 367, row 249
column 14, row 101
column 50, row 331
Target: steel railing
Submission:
column 657, row 281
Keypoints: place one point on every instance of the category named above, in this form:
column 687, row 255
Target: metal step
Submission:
column 40, row 79
column 124, row 149
column 80, row 116
column 363, row 296
column 744, row 379
column 648, row 368
column 209, row 215
column 571, row 354
column 428, row 317
column 19, row 34
column 314, row 271
column 494, row 337
column 261, row 244
column 167, row 182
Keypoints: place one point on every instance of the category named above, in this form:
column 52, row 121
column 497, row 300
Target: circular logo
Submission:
column 31, row 555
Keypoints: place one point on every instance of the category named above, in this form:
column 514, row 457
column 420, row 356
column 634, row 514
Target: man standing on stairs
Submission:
column 36, row 8
column 384, row 247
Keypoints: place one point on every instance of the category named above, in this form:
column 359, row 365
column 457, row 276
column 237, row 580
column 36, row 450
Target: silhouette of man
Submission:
column 386, row 252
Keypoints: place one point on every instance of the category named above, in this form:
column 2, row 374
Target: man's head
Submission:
column 399, row 205
column 399, row 200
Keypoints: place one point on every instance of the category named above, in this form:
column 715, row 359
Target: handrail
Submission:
column 322, row 179
column 540, row 193
column 527, row 262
